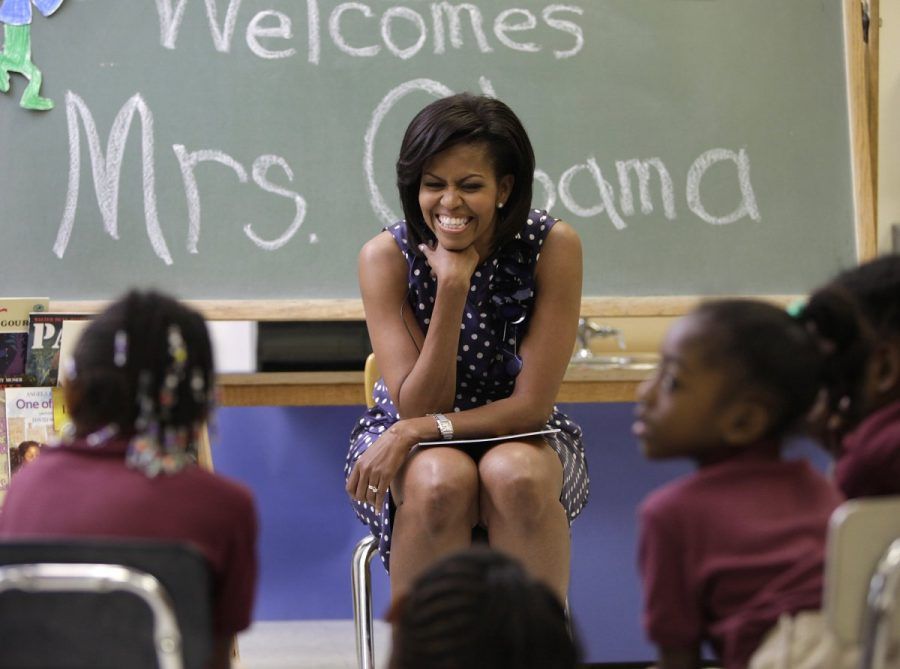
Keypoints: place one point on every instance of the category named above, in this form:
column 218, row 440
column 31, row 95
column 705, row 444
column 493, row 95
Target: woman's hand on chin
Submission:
column 451, row 266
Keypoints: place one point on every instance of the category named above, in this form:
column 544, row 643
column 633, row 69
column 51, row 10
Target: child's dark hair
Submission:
column 467, row 119
column 479, row 608
column 875, row 287
column 849, row 314
column 146, row 357
column 770, row 352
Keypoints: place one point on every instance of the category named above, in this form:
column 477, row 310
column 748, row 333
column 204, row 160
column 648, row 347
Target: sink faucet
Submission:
column 587, row 330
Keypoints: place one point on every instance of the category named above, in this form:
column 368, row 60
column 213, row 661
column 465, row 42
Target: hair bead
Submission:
column 120, row 348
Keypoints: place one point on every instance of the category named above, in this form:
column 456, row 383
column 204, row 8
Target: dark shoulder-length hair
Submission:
column 467, row 119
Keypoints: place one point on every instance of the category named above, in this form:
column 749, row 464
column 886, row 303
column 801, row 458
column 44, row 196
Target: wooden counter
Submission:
column 581, row 384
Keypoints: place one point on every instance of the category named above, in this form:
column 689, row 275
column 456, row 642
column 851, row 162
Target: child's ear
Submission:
column 745, row 422
column 887, row 366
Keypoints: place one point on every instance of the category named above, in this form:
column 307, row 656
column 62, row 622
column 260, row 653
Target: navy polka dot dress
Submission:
column 494, row 322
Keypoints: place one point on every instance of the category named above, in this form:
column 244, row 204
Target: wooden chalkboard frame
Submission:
column 861, row 148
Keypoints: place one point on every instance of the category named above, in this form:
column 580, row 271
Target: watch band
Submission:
column 445, row 427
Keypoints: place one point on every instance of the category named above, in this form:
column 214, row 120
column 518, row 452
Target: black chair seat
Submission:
column 99, row 629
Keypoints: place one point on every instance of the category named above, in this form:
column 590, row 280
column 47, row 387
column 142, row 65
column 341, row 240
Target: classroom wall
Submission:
column 889, row 123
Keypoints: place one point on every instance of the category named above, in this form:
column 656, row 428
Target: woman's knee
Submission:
column 440, row 490
column 519, row 483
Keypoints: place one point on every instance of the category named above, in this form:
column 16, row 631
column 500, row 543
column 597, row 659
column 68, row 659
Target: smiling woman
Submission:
column 459, row 198
column 472, row 308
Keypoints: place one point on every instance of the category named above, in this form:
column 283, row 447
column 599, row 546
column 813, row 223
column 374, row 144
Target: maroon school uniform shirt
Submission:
column 726, row 550
column 80, row 491
column 870, row 463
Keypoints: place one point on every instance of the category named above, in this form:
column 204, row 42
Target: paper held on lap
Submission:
column 481, row 440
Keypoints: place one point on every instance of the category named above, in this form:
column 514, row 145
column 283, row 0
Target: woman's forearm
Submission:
column 512, row 415
column 430, row 387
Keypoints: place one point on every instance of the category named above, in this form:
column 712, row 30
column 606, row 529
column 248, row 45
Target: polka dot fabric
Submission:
column 488, row 343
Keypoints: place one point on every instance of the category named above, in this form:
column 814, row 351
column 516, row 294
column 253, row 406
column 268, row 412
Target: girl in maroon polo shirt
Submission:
column 861, row 424
column 139, row 392
column 734, row 552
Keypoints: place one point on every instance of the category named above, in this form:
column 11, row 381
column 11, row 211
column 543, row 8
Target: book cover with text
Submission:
column 14, row 321
column 45, row 334
column 4, row 448
column 71, row 333
column 29, row 424
column 61, row 418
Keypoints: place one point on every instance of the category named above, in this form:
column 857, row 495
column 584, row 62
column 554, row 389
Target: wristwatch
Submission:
column 445, row 427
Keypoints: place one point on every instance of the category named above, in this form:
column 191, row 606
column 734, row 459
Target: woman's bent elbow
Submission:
column 534, row 417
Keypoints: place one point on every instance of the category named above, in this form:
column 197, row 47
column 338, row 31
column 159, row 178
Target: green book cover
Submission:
column 14, row 320
column 45, row 333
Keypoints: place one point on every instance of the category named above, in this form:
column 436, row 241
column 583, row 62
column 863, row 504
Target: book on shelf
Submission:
column 45, row 336
column 14, row 312
column 71, row 332
column 29, row 423
column 61, row 416
column 4, row 448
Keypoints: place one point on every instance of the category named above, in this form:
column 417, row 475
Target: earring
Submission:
column 499, row 205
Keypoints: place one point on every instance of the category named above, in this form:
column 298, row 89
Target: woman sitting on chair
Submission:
column 472, row 307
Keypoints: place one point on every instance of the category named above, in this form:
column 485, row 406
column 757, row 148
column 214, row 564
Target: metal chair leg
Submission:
column 361, row 583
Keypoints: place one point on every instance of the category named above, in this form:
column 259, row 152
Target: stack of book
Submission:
column 33, row 341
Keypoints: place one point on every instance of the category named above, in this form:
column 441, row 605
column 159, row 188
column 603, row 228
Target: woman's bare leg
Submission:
column 436, row 494
column 519, row 498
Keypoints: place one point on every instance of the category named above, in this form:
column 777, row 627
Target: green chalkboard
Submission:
column 244, row 149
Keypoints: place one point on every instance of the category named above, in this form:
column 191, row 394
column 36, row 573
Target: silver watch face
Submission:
column 445, row 427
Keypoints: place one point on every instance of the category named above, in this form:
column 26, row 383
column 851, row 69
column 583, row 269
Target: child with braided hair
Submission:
column 139, row 391
column 857, row 318
column 479, row 608
column 733, row 553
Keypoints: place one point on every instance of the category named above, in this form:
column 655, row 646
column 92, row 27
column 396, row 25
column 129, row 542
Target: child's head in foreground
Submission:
column 733, row 373
column 857, row 318
column 479, row 608
column 143, row 368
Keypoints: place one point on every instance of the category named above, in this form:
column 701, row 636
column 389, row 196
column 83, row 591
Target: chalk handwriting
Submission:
column 747, row 207
column 188, row 161
column 376, row 199
column 642, row 169
column 170, row 21
column 606, row 203
column 106, row 171
column 413, row 17
column 443, row 23
column 260, row 169
column 283, row 31
column 453, row 13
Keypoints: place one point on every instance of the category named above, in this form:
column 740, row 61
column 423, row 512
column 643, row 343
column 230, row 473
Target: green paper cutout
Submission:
column 16, row 57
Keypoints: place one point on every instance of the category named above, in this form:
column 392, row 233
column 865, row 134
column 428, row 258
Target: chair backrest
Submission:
column 104, row 603
column 859, row 534
column 370, row 376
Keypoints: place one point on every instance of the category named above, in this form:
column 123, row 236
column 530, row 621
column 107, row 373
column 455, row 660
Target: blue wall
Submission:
column 292, row 458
